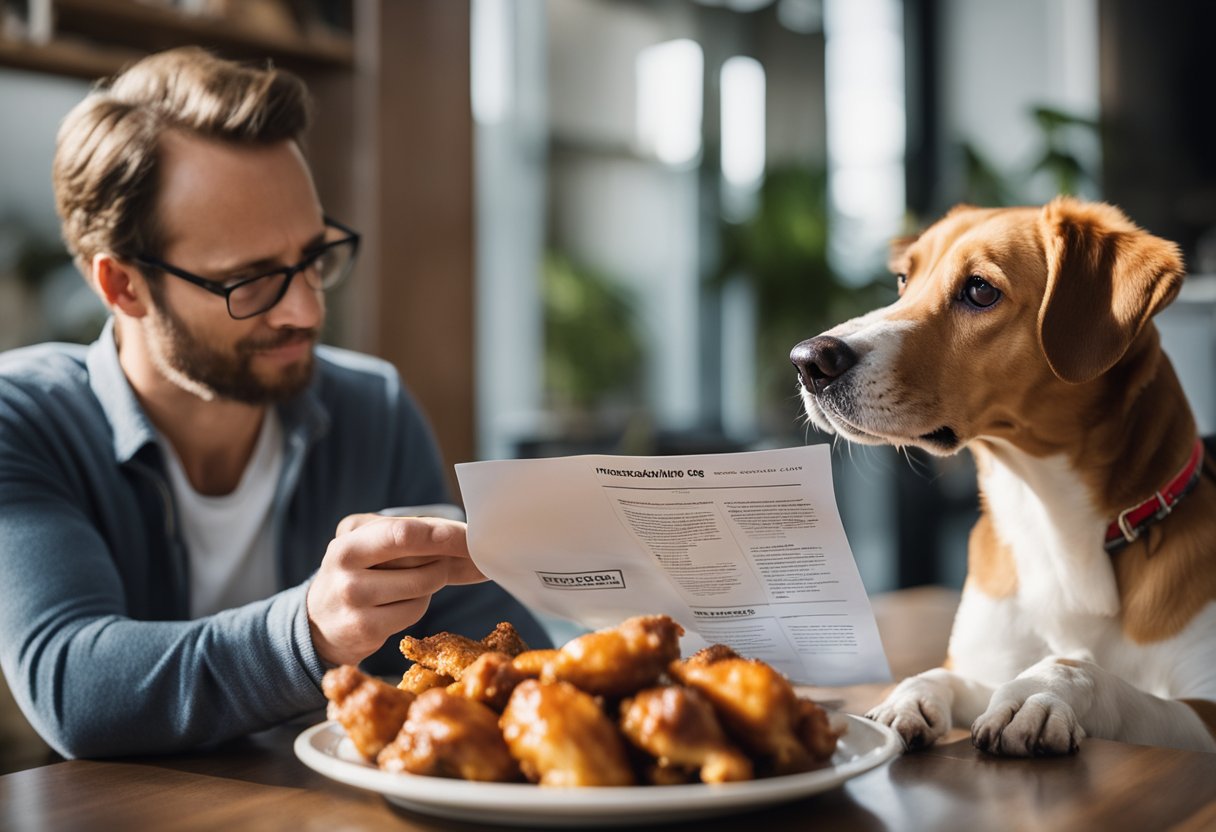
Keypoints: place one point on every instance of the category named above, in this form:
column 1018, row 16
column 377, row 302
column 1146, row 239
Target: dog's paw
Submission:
column 918, row 712
column 1038, row 725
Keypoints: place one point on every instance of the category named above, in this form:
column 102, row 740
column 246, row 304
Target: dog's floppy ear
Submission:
column 1105, row 279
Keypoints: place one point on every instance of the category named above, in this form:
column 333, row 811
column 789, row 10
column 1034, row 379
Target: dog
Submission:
column 1089, row 608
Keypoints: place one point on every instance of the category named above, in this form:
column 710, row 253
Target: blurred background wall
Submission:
column 600, row 225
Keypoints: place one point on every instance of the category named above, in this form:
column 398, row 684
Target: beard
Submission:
column 211, row 373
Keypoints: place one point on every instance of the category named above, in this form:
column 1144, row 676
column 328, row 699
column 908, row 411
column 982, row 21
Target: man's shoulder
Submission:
column 50, row 365
column 349, row 371
column 348, row 364
column 349, row 378
column 364, row 394
column 44, row 393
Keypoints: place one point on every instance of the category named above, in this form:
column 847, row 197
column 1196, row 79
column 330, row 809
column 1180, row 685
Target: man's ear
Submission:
column 1105, row 278
column 121, row 285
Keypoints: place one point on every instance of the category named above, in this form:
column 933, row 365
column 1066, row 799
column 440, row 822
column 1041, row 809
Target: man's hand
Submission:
column 377, row 578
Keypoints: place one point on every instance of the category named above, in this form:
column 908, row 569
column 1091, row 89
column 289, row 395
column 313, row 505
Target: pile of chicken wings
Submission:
column 615, row 707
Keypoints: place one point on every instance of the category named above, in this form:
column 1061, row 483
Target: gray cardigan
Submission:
column 94, row 637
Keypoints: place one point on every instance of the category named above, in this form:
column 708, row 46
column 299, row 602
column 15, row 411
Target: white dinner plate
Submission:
column 326, row 749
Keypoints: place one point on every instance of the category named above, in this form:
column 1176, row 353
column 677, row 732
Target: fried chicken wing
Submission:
column 562, row 738
column 532, row 662
column 815, row 730
column 448, row 654
column 756, row 704
column 504, row 638
column 370, row 710
column 713, row 653
column 448, row 736
column 445, row 653
column 488, row 680
column 678, row 727
column 619, row 660
column 419, row 678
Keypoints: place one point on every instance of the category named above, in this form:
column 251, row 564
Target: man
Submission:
column 169, row 495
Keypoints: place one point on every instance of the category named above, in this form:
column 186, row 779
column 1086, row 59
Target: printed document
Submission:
column 744, row 549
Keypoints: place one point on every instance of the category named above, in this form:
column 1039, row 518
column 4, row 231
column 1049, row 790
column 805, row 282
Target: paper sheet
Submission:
column 746, row 549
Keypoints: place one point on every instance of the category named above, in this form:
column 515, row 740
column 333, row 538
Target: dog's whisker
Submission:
column 921, row 467
column 911, row 460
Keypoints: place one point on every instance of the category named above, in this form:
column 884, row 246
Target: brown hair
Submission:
column 106, row 155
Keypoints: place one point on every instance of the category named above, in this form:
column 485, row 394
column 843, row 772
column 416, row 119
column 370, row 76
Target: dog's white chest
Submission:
column 1041, row 511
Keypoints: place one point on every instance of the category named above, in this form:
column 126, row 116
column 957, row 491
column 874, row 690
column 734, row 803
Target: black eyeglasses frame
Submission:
column 225, row 291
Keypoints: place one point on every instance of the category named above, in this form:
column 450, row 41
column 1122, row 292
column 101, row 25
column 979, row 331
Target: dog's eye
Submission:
column 980, row 293
column 901, row 280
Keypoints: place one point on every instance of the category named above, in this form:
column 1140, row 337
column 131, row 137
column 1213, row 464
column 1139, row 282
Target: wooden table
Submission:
column 257, row 783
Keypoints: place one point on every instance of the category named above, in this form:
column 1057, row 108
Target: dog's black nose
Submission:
column 821, row 360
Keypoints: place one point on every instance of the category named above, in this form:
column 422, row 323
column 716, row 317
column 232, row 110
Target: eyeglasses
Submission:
column 324, row 267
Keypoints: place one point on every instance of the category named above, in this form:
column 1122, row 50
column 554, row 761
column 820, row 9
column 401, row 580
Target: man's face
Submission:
column 226, row 212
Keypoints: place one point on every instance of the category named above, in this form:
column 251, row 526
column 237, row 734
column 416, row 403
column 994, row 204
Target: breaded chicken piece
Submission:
column 816, row 732
column 419, row 678
column 532, row 662
column 677, row 726
column 713, row 653
column 448, row 654
column 448, row 736
column 619, row 660
column 756, row 704
column 489, row 680
column 444, row 653
column 504, row 638
column 562, row 738
column 370, row 710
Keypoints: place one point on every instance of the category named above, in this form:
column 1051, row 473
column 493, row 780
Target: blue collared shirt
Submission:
column 95, row 637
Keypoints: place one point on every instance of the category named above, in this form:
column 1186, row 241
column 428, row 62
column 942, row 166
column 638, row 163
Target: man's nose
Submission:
column 820, row 361
column 302, row 307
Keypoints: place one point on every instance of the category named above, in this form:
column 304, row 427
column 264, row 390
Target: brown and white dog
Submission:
column 1025, row 335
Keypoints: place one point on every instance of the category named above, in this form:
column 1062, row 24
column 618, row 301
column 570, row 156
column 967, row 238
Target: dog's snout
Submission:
column 821, row 360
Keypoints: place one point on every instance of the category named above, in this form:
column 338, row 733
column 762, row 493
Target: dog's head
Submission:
column 999, row 311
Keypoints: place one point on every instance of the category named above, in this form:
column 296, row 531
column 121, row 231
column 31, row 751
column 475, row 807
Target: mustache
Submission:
column 281, row 338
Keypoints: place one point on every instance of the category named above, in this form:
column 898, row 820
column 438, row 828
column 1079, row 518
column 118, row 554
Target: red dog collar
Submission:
column 1131, row 522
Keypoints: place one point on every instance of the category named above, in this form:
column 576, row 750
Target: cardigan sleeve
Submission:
column 94, row 681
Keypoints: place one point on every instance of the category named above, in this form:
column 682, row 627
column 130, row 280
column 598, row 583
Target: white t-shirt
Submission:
column 230, row 539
